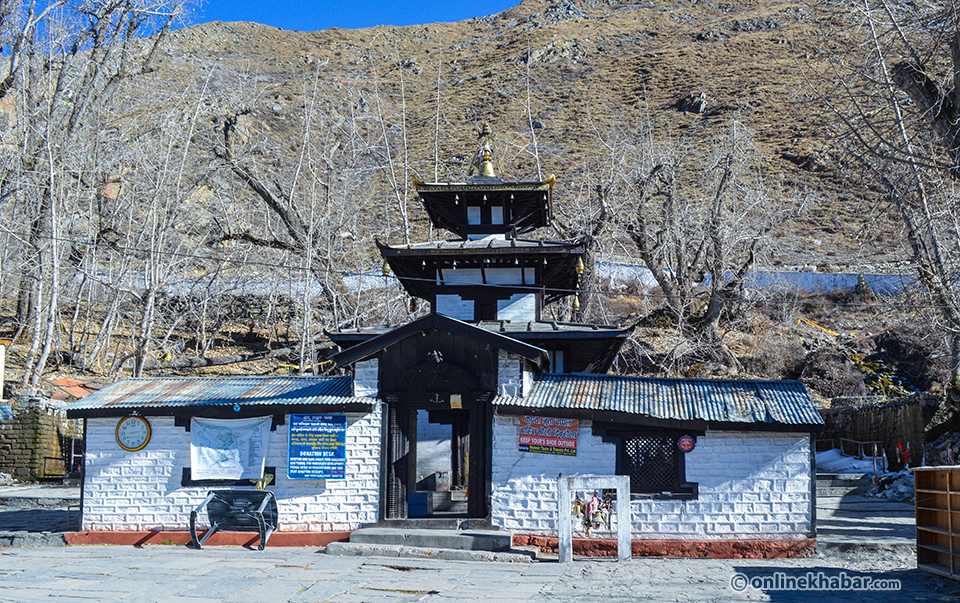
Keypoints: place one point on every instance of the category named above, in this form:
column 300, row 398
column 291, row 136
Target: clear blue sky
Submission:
column 313, row 15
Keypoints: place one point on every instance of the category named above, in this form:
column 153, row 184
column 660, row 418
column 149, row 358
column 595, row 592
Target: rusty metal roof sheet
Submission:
column 178, row 392
column 728, row 401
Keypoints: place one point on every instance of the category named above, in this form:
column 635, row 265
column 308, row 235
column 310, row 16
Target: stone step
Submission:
column 352, row 549
column 836, row 492
column 832, row 485
column 434, row 523
column 843, row 479
column 466, row 540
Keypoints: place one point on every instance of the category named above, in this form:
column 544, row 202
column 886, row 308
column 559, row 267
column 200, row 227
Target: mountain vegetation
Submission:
column 196, row 198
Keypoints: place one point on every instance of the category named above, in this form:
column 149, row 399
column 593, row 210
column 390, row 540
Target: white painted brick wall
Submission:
column 509, row 374
column 366, row 378
column 751, row 485
column 521, row 307
column 454, row 307
column 524, row 493
column 141, row 490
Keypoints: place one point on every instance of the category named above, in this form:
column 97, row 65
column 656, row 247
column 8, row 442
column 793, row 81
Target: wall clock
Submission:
column 133, row 433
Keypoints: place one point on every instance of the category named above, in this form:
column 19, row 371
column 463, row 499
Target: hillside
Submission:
column 258, row 166
column 591, row 72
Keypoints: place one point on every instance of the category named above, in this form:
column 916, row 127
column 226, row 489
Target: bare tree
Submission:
column 896, row 91
column 64, row 61
column 698, row 221
column 320, row 208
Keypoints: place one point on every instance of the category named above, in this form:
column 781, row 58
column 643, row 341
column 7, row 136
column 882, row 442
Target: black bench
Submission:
column 237, row 511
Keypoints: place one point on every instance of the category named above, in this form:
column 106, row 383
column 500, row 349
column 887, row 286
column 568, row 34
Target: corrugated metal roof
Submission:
column 162, row 392
column 785, row 402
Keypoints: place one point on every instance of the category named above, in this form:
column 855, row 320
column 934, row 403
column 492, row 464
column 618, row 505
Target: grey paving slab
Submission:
column 323, row 591
column 269, row 591
column 143, row 575
column 220, row 587
column 303, row 574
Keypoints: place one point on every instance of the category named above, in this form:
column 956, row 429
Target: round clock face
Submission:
column 133, row 433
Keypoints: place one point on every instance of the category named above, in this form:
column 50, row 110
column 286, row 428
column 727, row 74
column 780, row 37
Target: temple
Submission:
column 491, row 278
column 467, row 416
column 488, row 291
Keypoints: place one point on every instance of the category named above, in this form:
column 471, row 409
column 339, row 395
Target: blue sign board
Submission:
column 317, row 447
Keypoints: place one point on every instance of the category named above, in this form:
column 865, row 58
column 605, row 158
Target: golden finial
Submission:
column 485, row 168
column 386, row 268
column 579, row 267
column 576, row 302
column 486, row 163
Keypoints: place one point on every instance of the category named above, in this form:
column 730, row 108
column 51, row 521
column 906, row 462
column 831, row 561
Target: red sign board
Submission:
column 686, row 443
column 548, row 435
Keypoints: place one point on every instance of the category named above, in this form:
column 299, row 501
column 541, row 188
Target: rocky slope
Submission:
column 561, row 81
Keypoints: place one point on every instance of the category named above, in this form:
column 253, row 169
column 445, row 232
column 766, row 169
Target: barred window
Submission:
column 652, row 459
column 652, row 462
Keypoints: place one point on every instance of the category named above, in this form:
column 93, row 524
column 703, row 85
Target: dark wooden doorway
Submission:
column 470, row 444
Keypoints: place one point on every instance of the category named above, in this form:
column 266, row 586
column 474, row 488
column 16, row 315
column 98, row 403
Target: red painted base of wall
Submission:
column 713, row 549
column 247, row 539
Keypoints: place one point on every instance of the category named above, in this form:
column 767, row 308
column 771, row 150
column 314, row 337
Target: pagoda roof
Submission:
column 595, row 349
column 486, row 184
column 491, row 244
column 526, row 205
column 538, row 329
column 383, row 340
column 416, row 265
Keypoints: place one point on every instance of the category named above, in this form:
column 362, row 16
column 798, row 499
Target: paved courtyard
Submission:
column 176, row 573
column 861, row 539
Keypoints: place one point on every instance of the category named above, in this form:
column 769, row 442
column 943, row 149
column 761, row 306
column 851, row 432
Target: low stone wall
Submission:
column 752, row 485
column 711, row 549
column 32, row 440
column 141, row 492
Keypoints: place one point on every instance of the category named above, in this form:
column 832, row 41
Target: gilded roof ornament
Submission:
column 485, row 163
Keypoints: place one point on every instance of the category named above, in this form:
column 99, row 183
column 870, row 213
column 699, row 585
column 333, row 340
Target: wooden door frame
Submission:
column 398, row 444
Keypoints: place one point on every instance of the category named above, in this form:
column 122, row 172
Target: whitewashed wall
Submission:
column 751, row 485
column 454, row 307
column 141, row 490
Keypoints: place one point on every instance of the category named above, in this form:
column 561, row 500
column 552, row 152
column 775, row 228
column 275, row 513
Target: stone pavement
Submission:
column 861, row 537
column 178, row 574
column 858, row 521
column 35, row 515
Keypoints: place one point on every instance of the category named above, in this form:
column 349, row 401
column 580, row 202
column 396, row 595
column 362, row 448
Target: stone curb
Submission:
column 29, row 502
column 32, row 539
column 347, row 549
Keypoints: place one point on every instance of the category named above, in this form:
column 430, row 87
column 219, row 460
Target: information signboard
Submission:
column 548, row 435
column 317, row 447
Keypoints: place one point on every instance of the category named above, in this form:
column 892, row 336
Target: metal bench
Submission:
column 237, row 511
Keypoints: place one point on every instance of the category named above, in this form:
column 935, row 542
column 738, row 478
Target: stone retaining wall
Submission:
column 31, row 442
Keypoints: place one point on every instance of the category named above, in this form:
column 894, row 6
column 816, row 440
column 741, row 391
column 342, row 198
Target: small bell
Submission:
column 386, row 268
column 579, row 267
column 413, row 304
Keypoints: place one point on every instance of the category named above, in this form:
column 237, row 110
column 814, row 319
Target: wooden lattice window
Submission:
column 652, row 463
column 652, row 459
